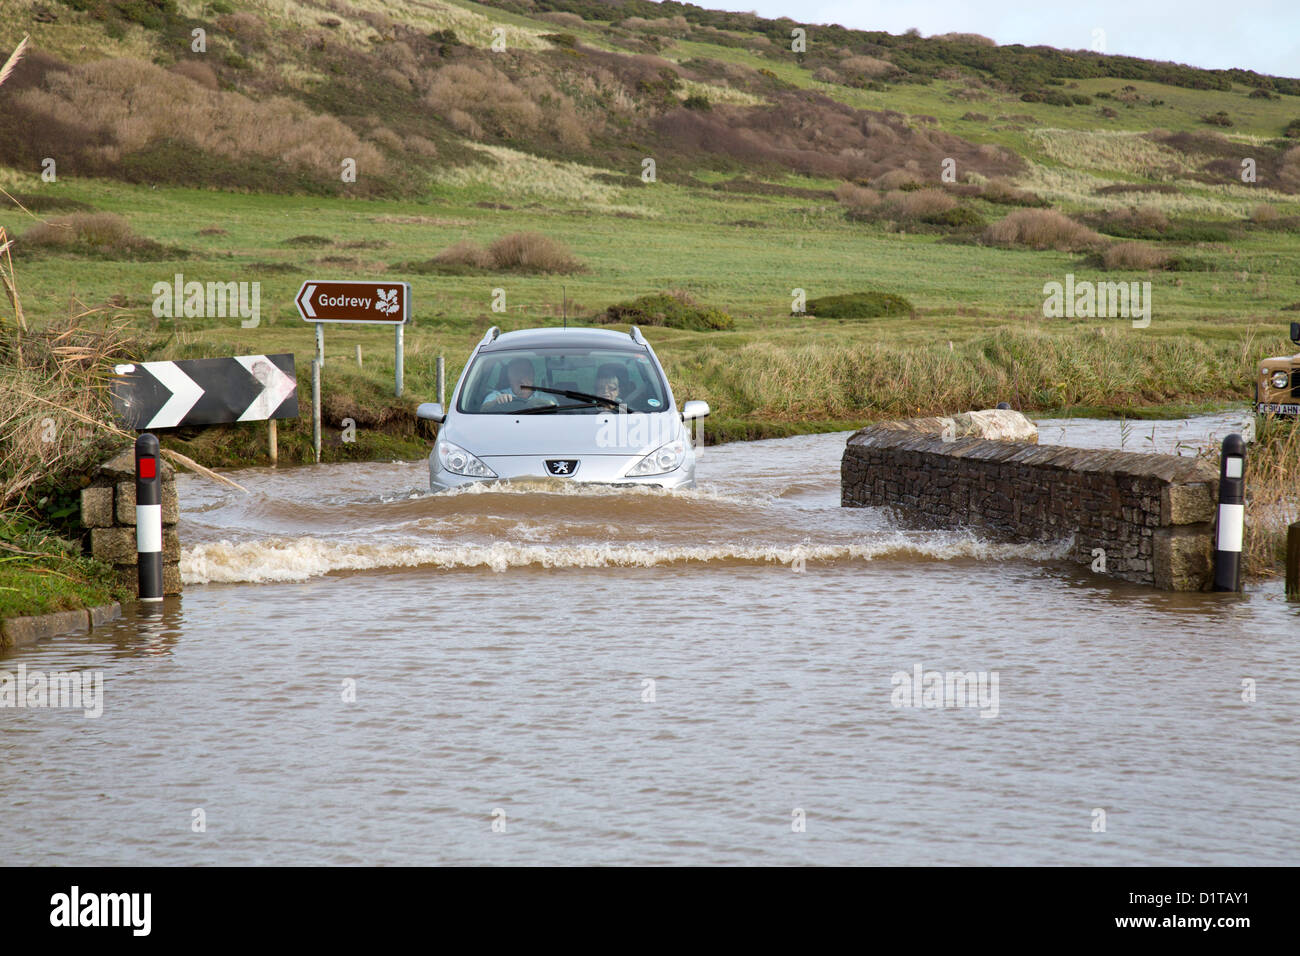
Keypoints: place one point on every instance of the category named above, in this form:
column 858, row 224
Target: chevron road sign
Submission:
column 245, row 388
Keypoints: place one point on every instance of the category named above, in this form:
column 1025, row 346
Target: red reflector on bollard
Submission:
column 148, row 467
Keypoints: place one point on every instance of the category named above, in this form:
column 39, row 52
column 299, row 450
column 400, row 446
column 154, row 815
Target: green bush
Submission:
column 675, row 310
column 1217, row 119
column 1292, row 130
column 957, row 218
column 859, row 305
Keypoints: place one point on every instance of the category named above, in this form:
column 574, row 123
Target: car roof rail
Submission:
column 491, row 335
column 637, row 337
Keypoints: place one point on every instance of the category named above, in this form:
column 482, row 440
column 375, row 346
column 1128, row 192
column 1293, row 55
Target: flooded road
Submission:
column 581, row 676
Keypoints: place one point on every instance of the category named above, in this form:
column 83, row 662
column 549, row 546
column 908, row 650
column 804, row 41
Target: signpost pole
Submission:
column 442, row 382
column 399, row 359
column 320, row 342
column 272, row 441
column 315, row 407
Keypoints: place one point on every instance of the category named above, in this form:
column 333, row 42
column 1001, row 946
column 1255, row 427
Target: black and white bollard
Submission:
column 148, row 518
column 1231, row 527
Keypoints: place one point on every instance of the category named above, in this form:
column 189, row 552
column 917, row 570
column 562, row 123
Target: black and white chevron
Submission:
column 244, row 388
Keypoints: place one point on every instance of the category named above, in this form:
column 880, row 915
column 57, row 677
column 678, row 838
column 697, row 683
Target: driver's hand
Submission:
column 502, row 399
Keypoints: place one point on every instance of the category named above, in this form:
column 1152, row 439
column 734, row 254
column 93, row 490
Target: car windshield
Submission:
column 499, row 382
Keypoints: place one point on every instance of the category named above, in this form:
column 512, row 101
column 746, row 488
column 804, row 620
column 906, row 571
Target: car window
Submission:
column 496, row 381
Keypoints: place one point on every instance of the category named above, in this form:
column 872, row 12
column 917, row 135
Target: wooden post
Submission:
column 1293, row 562
column 272, row 441
column 358, row 356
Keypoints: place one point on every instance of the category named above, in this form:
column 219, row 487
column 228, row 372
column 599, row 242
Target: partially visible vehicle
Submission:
column 585, row 405
column 1277, row 386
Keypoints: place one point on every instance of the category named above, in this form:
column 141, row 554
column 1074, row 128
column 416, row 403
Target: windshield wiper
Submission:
column 578, row 396
column 541, row 409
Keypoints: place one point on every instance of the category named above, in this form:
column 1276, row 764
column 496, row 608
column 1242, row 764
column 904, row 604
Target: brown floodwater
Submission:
column 632, row 676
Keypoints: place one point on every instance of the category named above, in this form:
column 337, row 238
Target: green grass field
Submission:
column 977, row 336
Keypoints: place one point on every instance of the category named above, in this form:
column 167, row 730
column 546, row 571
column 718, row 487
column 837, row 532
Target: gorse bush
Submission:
column 859, row 305
column 674, row 310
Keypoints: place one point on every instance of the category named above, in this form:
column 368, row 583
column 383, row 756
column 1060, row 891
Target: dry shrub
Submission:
column 918, row 203
column 529, row 252
column 1273, row 503
column 563, row 18
column 478, row 99
column 824, row 74
column 422, row 146
column 198, row 71
column 896, row 179
column 1139, row 218
column 56, row 418
column 247, row 27
column 1265, row 213
column 1289, row 170
column 1134, row 255
column 532, row 252
column 99, row 233
column 1041, row 229
column 866, row 66
column 979, row 38
column 465, row 253
column 999, row 190
column 663, row 25
column 109, row 109
column 386, row 137
column 857, row 199
column 813, row 134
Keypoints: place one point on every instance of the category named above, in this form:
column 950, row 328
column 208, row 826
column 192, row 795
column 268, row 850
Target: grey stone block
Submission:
column 171, row 508
column 20, row 631
column 97, row 506
column 1183, row 558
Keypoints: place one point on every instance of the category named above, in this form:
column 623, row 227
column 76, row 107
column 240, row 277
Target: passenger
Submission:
column 611, row 383
column 519, row 373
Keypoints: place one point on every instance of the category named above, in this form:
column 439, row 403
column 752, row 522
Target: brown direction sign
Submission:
column 374, row 303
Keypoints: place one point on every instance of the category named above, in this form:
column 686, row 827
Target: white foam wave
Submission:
column 558, row 486
column 297, row 559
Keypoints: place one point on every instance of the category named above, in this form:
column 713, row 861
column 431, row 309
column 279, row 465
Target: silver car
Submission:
column 586, row 405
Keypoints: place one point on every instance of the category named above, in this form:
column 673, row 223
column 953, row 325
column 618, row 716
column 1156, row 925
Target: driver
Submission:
column 519, row 373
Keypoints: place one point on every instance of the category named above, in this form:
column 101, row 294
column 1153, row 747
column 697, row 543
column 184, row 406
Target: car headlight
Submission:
column 1279, row 379
column 458, row 461
column 660, row 461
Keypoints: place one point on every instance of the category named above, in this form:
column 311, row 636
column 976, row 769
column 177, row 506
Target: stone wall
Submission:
column 108, row 510
column 1151, row 515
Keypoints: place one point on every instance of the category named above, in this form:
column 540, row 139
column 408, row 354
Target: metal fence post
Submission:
column 315, row 407
column 148, row 518
column 1230, row 530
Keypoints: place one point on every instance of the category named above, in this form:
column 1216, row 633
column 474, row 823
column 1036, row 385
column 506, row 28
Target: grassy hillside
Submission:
column 949, row 172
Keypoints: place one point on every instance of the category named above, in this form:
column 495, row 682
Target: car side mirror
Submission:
column 692, row 410
column 431, row 411
column 1295, row 332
